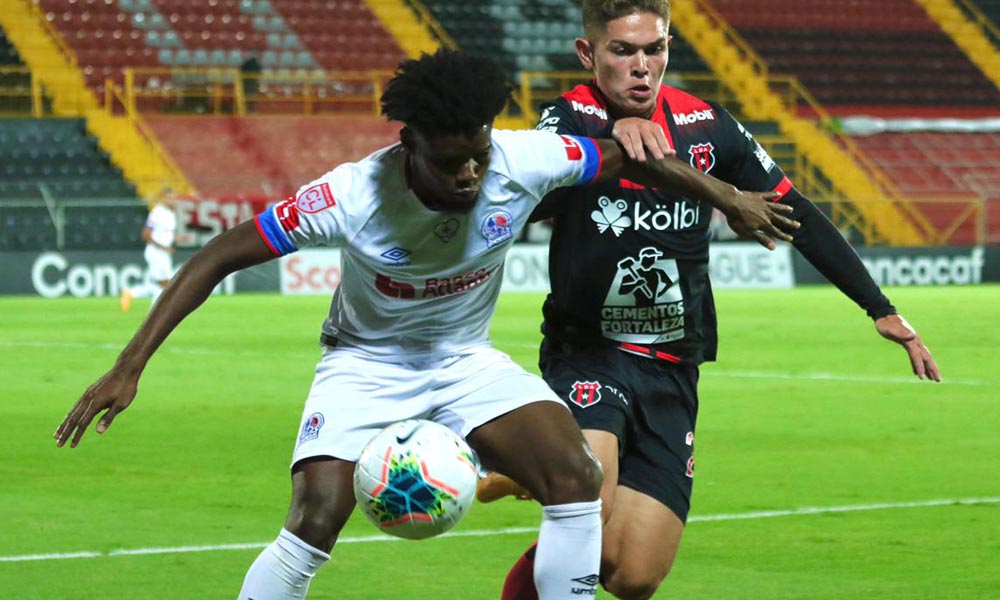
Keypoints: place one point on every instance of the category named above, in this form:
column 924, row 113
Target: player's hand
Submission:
column 112, row 393
column 757, row 216
column 895, row 328
column 638, row 135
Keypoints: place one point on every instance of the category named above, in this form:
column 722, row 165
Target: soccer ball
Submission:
column 415, row 479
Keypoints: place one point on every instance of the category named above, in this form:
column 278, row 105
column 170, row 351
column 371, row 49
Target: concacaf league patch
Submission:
column 310, row 429
column 497, row 227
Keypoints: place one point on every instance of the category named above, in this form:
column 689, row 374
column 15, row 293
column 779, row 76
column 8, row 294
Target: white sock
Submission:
column 568, row 558
column 283, row 570
column 143, row 290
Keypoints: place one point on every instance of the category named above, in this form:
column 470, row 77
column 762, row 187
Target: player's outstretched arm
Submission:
column 896, row 329
column 753, row 215
column 235, row 249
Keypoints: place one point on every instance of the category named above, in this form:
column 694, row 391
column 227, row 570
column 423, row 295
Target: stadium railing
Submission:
column 20, row 93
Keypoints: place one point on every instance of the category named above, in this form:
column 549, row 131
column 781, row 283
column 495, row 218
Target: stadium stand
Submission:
column 943, row 167
column 990, row 8
column 856, row 58
column 57, row 154
column 271, row 155
column 15, row 83
column 288, row 36
column 340, row 34
column 54, row 177
column 863, row 54
column 531, row 36
column 8, row 54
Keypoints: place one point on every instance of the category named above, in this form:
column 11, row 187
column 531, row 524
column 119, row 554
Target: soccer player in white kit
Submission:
column 424, row 227
column 158, row 233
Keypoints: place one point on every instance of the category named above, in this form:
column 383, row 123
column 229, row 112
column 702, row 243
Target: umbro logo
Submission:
column 590, row 585
column 396, row 254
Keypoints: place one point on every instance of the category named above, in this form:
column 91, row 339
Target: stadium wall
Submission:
column 53, row 274
column 95, row 273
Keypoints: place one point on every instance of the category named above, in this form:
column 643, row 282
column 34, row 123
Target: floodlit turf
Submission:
column 807, row 407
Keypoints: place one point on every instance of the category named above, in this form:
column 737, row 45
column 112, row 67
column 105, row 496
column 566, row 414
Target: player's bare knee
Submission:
column 629, row 586
column 316, row 521
column 578, row 481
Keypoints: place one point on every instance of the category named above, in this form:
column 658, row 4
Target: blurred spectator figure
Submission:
column 158, row 233
column 250, row 70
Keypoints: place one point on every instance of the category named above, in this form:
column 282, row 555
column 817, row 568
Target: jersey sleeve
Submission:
column 556, row 118
column 316, row 216
column 155, row 216
column 542, row 161
column 744, row 163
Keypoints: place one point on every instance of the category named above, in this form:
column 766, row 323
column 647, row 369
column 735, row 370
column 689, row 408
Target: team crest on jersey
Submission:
column 497, row 227
column 612, row 215
column 585, row 393
column 445, row 230
column 310, row 429
column 702, row 156
column 315, row 199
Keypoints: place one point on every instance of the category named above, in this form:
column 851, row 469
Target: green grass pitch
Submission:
column 807, row 407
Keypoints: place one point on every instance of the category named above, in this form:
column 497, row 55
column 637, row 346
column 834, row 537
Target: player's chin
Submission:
column 630, row 106
column 461, row 201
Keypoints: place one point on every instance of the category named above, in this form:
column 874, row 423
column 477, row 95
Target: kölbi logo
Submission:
column 612, row 215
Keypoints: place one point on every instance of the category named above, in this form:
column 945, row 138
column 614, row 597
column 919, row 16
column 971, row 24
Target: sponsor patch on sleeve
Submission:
column 288, row 214
column 587, row 150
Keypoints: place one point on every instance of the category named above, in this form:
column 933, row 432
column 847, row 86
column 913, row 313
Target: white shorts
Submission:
column 353, row 397
column 160, row 263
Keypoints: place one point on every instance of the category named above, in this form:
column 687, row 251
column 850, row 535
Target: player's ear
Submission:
column 585, row 52
column 406, row 138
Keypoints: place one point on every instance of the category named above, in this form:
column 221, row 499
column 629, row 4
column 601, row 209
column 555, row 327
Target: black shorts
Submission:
column 650, row 404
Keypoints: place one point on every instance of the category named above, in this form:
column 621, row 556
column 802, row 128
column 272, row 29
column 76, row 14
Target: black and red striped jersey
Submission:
column 630, row 263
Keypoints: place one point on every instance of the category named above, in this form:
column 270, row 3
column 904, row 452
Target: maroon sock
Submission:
column 520, row 582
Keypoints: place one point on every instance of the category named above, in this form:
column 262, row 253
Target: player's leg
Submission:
column 161, row 269
column 322, row 501
column 651, row 504
column 520, row 584
column 541, row 446
column 322, row 486
column 641, row 540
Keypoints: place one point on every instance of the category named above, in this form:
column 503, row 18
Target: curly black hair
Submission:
column 446, row 92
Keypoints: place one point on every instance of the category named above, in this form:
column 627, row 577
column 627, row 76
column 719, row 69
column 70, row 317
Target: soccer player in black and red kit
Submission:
column 631, row 314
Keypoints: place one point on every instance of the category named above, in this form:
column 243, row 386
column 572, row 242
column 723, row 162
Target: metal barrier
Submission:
column 21, row 93
column 231, row 92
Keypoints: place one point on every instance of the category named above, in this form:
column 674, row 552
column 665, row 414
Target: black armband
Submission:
column 823, row 246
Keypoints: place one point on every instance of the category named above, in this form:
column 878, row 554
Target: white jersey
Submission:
column 162, row 222
column 418, row 282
